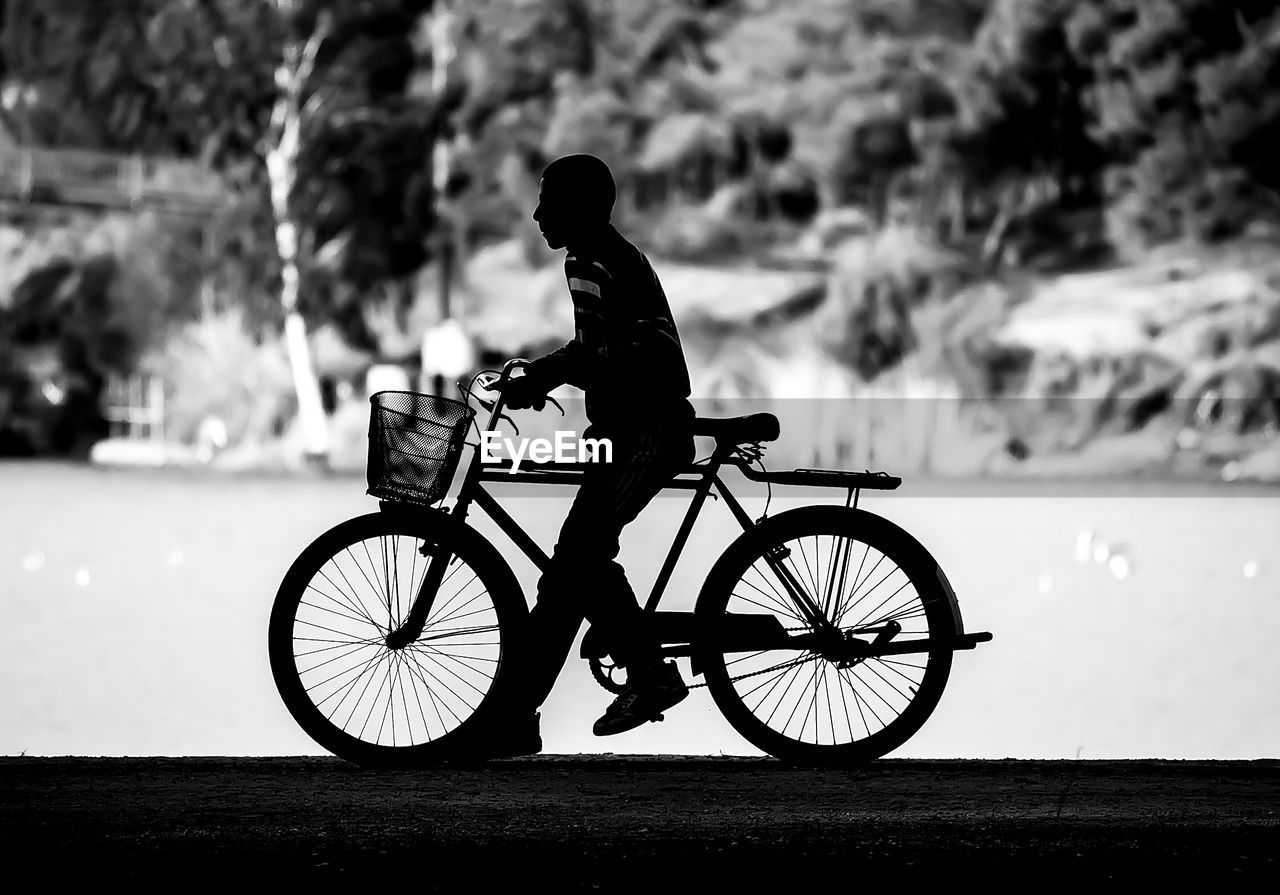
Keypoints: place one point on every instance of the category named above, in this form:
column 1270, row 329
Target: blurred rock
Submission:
column 1261, row 466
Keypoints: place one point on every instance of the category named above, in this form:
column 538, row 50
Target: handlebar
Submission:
column 498, row 405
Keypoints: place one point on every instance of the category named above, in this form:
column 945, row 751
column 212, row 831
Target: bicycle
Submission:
column 791, row 601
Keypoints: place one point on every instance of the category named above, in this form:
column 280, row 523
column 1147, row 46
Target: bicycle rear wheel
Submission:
column 345, row 687
column 812, row 705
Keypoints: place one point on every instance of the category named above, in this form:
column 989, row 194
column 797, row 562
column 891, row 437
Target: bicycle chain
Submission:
column 743, row 677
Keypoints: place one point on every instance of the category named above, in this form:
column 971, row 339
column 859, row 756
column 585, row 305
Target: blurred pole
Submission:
column 442, row 53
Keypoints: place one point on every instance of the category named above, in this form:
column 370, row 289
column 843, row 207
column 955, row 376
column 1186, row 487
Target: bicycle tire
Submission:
column 939, row 613
column 452, row 731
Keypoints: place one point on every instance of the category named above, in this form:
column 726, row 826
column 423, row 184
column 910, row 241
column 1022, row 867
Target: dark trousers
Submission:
column 584, row 580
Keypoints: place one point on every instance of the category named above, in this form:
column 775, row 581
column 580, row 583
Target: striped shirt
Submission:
column 626, row 353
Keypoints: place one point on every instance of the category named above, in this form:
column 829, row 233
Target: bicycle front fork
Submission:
column 423, row 600
column 439, row 560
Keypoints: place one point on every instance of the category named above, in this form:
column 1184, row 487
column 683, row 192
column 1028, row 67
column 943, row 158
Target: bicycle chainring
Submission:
column 604, row 673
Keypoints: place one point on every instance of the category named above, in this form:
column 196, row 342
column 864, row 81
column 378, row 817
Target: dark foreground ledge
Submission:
column 631, row 823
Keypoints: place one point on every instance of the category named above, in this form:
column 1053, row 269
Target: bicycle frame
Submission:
column 747, row 631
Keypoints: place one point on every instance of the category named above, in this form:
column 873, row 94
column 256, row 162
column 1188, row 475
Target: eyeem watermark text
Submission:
column 565, row 447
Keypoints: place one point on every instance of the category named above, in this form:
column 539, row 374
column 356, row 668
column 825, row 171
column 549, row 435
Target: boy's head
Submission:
column 575, row 199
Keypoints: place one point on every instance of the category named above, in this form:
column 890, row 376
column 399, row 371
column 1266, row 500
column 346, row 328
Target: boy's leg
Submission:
column 585, row 580
column 650, row 461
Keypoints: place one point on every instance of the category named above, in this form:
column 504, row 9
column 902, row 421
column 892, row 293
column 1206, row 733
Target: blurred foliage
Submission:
column 1001, row 135
column 84, row 301
column 969, row 116
column 217, row 366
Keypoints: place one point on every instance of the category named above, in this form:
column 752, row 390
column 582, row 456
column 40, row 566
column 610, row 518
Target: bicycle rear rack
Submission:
column 824, row 478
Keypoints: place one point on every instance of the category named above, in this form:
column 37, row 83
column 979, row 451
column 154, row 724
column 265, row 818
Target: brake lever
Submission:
column 503, row 416
column 541, row 405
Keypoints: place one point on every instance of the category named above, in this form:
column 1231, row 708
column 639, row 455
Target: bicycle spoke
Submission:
column 813, row 706
column 362, row 664
column 343, row 604
column 844, row 704
column 431, row 654
column 463, row 657
column 746, row 658
column 333, row 611
column 363, row 608
column 413, row 571
column 784, row 602
column 857, row 701
column 435, row 650
column 374, row 702
column 804, row 556
column 831, row 715
column 349, row 652
column 842, row 608
column 784, row 694
column 395, row 576
column 303, row 621
column 461, row 632
column 383, row 596
column 782, row 670
column 393, row 612
column 472, row 612
column 438, row 610
column 840, row 598
column 870, row 687
column 878, row 606
column 911, row 680
column 913, row 608
column 837, row 568
column 796, row 708
column 784, row 606
column 887, row 682
column 422, row 712
column 904, row 664
column 762, row 606
column 350, row 604
column 391, row 701
column 355, row 705
column 423, row 673
column 887, row 576
column 452, row 572
column 795, row 576
column 431, row 696
column 789, row 673
column 346, row 642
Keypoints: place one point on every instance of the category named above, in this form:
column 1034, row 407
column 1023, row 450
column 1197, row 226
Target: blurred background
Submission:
column 1025, row 253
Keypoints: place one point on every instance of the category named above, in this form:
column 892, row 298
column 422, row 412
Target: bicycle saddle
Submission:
column 739, row 429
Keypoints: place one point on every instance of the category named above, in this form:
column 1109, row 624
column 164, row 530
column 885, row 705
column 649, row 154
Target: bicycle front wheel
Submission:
column 361, row 699
column 813, row 704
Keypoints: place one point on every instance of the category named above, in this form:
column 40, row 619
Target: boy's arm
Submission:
column 653, row 337
column 572, row 363
column 564, row 365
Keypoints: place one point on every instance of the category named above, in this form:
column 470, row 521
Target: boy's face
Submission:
column 552, row 215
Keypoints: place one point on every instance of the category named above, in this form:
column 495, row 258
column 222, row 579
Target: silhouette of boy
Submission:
column 627, row 358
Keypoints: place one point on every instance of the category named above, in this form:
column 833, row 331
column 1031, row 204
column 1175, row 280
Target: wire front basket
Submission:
column 415, row 441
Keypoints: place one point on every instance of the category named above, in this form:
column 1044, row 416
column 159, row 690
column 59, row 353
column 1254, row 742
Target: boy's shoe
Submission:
column 513, row 738
column 640, row 702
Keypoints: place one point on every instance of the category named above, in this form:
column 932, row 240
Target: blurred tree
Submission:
column 1183, row 99
column 1021, row 135
column 197, row 79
